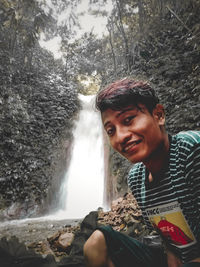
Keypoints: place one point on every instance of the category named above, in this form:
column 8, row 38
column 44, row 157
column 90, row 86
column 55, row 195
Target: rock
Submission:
column 54, row 237
column 65, row 240
column 42, row 247
column 124, row 213
column 14, row 253
column 72, row 261
column 88, row 225
column 67, row 244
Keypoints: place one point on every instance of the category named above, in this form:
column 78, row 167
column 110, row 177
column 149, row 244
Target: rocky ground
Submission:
column 61, row 242
column 35, row 230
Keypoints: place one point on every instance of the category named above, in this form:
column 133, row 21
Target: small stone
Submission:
column 122, row 226
column 65, row 240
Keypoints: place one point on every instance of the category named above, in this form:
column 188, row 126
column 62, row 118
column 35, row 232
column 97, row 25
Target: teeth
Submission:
column 131, row 145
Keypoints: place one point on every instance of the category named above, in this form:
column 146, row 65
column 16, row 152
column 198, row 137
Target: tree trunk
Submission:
column 126, row 46
column 141, row 15
column 112, row 48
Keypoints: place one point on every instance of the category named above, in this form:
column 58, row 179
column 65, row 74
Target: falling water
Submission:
column 82, row 189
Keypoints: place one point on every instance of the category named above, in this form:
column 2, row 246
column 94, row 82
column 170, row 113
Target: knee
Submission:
column 95, row 242
column 95, row 249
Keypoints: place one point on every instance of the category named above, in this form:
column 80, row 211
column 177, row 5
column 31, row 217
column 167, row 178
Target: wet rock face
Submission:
column 35, row 135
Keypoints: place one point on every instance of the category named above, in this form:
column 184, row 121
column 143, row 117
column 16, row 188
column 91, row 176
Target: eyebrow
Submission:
column 106, row 124
column 119, row 114
column 123, row 111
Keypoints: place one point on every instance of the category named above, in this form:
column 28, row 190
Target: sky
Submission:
column 88, row 22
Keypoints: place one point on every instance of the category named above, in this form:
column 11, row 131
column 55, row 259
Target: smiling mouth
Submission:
column 131, row 145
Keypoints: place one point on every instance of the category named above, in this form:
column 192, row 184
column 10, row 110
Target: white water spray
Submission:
column 82, row 189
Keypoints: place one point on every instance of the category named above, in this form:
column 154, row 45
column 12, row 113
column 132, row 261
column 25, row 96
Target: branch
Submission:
column 178, row 18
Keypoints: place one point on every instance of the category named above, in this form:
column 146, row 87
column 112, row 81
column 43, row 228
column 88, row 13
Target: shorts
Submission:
column 126, row 251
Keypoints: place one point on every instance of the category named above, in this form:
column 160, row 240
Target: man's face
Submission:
column 134, row 132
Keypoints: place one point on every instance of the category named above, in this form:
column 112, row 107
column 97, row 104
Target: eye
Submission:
column 110, row 131
column 128, row 119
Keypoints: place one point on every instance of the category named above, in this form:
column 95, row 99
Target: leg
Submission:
column 126, row 251
column 109, row 248
column 95, row 251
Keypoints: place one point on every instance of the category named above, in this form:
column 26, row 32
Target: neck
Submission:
column 159, row 159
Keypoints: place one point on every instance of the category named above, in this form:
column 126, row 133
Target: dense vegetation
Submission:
column 158, row 41
column 38, row 102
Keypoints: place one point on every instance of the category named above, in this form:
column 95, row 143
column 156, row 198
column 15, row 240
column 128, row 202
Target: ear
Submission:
column 159, row 114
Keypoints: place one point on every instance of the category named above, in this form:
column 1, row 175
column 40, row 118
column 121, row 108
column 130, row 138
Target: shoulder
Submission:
column 188, row 139
column 186, row 145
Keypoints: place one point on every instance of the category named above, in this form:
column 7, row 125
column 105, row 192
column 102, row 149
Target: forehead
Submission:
column 110, row 114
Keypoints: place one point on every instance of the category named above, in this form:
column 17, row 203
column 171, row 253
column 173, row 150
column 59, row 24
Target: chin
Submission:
column 135, row 161
column 138, row 158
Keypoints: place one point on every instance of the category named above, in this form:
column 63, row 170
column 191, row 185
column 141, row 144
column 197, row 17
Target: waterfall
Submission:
column 82, row 188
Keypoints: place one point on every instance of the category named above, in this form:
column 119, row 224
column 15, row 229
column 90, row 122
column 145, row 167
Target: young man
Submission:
column 165, row 180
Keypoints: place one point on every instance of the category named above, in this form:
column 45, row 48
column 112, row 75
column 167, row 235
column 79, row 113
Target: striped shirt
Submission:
column 171, row 204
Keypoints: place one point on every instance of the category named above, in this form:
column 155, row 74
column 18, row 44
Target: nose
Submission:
column 122, row 135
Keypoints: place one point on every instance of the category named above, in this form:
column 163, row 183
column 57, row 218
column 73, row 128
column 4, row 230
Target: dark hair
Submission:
column 125, row 92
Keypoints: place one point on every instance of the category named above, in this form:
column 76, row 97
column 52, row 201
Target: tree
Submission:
column 22, row 23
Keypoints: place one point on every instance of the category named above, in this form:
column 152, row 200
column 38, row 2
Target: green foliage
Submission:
column 22, row 22
column 37, row 103
column 83, row 56
column 132, row 22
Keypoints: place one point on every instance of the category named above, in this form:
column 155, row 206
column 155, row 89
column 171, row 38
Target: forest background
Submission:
column 154, row 40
